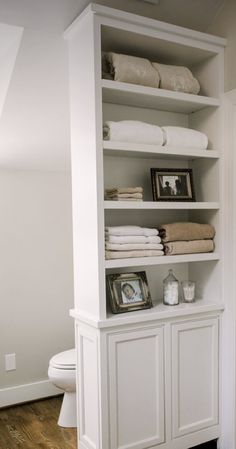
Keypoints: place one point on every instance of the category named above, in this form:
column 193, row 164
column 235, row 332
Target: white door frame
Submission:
column 228, row 346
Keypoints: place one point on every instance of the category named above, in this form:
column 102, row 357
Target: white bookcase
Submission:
column 148, row 378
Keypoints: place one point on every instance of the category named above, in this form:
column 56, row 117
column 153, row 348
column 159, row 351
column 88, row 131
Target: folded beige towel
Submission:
column 130, row 230
column 133, row 131
column 130, row 254
column 124, row 195
column 177, row 78
column 123, row 199
column 189, row 247
column 186, row 231
column 130, row 69
column 132, row 246
column 121, row 239
column 120, row 190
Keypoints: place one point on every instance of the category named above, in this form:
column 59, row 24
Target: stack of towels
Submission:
column 141, row 132
column 134, row 70
column 124, row 194
column 123, row 242
column 187, row 238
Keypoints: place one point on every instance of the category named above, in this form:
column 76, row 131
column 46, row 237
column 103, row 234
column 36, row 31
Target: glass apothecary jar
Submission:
column 171, row 290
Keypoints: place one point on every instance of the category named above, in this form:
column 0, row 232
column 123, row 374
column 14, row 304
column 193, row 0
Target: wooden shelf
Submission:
column 162, row 205
column 154, row 98
column 160, row 260
column 148, row 151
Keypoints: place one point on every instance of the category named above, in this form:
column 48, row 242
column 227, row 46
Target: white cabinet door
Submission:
column 194, row 376
column 136, row 393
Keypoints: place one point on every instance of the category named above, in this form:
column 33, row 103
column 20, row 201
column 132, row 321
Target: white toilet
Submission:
column 61, row 372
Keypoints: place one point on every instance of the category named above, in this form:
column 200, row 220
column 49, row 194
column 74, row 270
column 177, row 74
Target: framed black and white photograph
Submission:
column 172, row 184
column 128, row 292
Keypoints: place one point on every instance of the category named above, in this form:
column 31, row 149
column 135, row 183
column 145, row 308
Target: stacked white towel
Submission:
column 133, row 131
column 179, row 136
column 132, row 241
column 124, row 194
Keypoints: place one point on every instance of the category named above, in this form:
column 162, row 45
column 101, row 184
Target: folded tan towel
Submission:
column 132, row 246
column 130, row 254
column 177, row 78
column 190, row 247
column 130, row 69
column 185, row 231
column 120, row 190
column 121, row 239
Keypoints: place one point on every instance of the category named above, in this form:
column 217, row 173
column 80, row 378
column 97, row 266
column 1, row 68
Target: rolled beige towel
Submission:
column 130, row 69
column 189, row 247
column 177, row 78
column 185, row 231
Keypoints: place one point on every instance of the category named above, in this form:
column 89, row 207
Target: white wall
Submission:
column 36, row 285
column 225, row 25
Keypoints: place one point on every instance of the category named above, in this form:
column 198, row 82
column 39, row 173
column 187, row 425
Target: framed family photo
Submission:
column 128, row 292
column 172, row 184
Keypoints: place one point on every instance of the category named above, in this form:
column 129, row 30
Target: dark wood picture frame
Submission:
column 128, row 292
column 172, row 184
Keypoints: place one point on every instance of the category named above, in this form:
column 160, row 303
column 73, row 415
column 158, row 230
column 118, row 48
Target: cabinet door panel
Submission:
column 136, row 389
column 194, row 376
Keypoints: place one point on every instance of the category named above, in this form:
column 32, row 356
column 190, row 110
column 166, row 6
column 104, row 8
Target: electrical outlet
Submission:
column 10, row 362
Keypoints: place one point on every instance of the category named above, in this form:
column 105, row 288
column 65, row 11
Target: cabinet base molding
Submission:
column 181, row 443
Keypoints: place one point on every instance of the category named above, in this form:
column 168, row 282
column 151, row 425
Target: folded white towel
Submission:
column 132, row 246
column 129, row 254
column 122, row 239
column 121, row 190
column 130, row 230
column 133, row 131
column 131, row 69
column 177, row 78
column 184, row 137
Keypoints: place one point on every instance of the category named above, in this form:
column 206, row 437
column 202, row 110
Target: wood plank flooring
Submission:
column 34, row 426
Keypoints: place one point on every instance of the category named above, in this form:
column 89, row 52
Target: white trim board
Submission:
column 27, row 392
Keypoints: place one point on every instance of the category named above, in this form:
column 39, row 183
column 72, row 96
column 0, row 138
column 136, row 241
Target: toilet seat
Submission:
column 65, row 360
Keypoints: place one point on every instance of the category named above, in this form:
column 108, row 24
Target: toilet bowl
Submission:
column 61, row 372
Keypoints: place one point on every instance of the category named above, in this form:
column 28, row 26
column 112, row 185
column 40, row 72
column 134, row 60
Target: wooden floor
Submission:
column 34, row 426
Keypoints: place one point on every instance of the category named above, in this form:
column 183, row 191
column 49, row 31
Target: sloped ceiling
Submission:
column 34, row 125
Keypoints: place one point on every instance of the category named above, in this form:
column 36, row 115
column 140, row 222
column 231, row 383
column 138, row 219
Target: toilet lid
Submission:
column 64, row 360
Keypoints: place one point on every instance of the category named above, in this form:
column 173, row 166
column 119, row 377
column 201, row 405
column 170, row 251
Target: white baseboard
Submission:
column 27, row 392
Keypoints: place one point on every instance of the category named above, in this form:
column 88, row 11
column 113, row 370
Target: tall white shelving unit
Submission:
column 147, row 378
